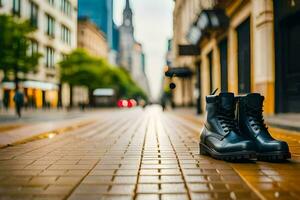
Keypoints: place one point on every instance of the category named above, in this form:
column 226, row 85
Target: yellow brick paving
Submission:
column 269, row 180
column 138, row 154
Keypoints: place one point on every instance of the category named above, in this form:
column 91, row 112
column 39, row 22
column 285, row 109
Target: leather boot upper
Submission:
column 251, row 124
column 221, row 131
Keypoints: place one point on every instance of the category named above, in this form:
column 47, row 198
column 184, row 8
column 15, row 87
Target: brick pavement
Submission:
column 134, row 155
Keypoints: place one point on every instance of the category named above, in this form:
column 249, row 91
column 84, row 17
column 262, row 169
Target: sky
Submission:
column 153, row 24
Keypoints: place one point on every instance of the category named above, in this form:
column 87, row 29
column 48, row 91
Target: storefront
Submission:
column 37, row 94
column 182, row 78
column 243, row 56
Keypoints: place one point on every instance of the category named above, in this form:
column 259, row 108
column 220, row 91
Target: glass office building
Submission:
column 99, row 12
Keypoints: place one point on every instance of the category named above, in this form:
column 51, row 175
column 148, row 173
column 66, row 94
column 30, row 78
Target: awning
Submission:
column 104, row 92
column 40, row 85
column 188, row 50
column 31, row 84
column 194, row 35
column 212, row 20
column 207, row 22
column 179, row 72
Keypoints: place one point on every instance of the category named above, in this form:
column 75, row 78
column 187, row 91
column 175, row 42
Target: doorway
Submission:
column 287, row 48
column 244, row 57
column 223, row 63
column 210, row 72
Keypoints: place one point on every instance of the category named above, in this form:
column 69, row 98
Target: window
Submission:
column 1, row 4
column 66, row 7
column 65, row 34
column 50, row 29
column 223, row 63
column 34, row 47
column 49, row 57
column 33, row 14
column 210, row 61
column 51, row 2
column 16, row 7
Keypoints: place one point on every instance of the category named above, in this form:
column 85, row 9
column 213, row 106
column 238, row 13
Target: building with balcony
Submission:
column 56, row 36
column 240, row 46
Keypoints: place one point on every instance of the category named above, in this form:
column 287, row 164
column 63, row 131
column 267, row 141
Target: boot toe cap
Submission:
column 274, row 145
column 280, row 146
column 245, row 145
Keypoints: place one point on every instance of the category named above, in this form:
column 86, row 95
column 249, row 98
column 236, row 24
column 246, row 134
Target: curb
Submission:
column 49, row 134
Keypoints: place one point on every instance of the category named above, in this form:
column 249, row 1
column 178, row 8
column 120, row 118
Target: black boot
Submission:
column 220, row 137
column 251, row 123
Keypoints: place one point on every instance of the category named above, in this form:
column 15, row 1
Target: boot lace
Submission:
column 257, row 118
column 227, row 120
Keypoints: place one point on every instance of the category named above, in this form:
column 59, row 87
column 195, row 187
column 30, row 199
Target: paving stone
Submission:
column 67, row 180
column 174, row 197
column 173, row 188
column 125, row 179
column 91, row 189
column 135, row 154
column 43, row 180
column 122, row 189
column 148, row 188
column 147, row 197
column 98, row 180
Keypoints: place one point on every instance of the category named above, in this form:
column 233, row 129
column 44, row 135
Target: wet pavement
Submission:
column 139, row 154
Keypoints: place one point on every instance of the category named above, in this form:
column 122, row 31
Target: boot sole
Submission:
column 274, row 156
column 232, row 156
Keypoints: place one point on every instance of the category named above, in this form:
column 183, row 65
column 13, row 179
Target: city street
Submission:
column 134, row 154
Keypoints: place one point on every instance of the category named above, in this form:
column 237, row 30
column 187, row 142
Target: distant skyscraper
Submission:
column 99, row 12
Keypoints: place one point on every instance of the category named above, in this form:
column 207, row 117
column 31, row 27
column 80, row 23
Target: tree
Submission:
column 125, row 86
column 81, row 69
column 14, row 47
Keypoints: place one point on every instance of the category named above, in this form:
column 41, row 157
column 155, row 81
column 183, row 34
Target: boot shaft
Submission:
column 218, row 104
column 249, row 102
column 220, row 113
column 250, row 113
column 250, row 105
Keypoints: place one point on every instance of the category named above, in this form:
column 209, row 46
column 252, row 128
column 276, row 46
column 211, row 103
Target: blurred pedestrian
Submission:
column 164, row 102
column 6, row 99
column 19, row 101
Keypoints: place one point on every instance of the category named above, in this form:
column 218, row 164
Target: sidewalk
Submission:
column 285, row 121
column 40, row 123
column 138, row 155
column 290, row 121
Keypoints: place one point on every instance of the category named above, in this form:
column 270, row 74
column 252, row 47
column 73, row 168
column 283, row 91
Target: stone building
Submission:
column 56, row 36
column 127, row 41
column 131, row 55
column 100, row 12
column 239, row 46
column 138, row 67
column 92, row 39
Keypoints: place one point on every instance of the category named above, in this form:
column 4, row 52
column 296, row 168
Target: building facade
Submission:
column 138, row 67
column 55, row 37
column 131, row 55
column 184, row 14
column 250, row 47
column 101, row 14
column 127, row 41
column 92, row 39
